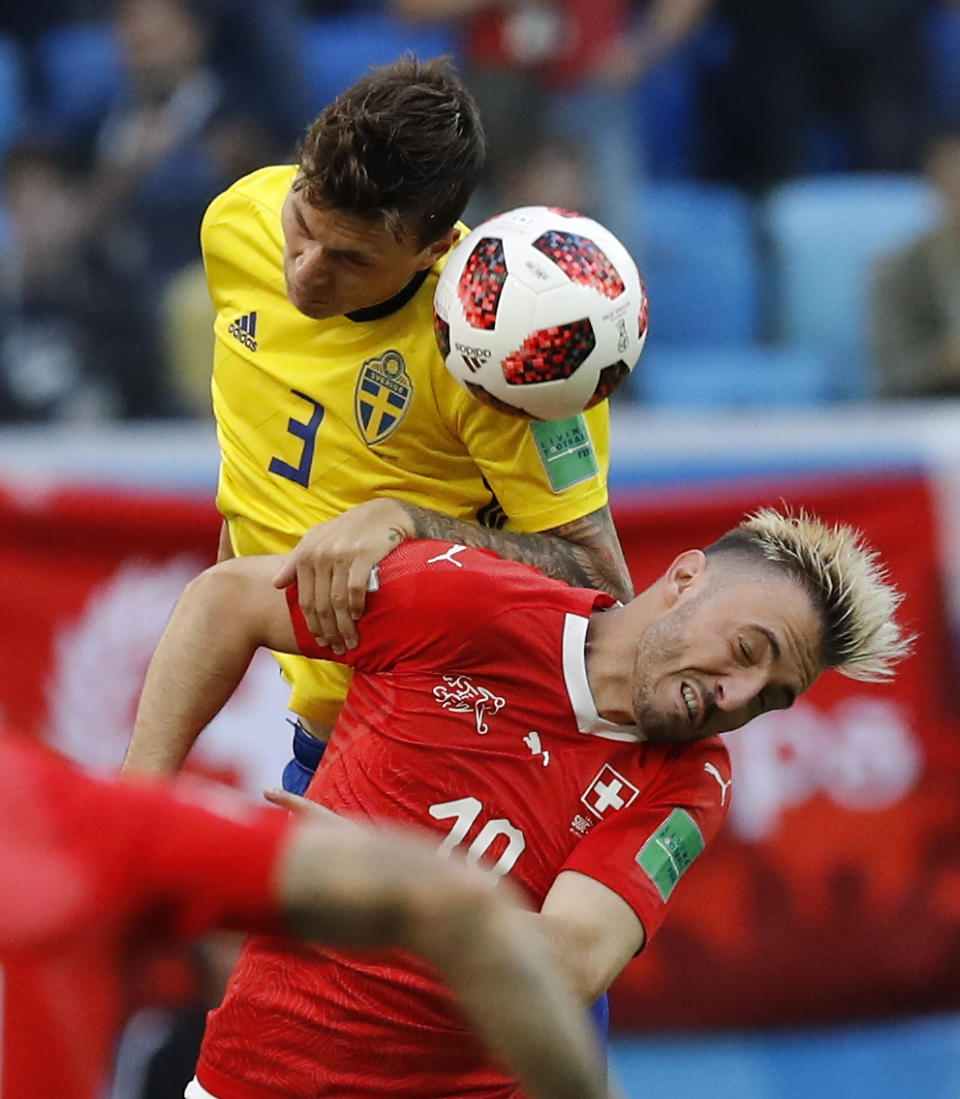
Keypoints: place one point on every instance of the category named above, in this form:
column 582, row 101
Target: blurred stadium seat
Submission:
column 339, row 49
column 825, row 233
column 695, row 247
column 13, row 106
column 730, row 377
column 80, row 71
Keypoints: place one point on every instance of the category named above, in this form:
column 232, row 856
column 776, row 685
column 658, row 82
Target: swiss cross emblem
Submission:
column 609, row 790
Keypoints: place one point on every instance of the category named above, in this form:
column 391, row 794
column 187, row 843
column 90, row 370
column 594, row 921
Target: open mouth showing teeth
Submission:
column 691, row 701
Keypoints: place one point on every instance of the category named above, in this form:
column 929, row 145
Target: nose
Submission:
column 311, row 262
column 734, row 692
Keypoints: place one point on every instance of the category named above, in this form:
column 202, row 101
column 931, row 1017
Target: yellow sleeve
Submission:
column 234, row 243
column 543, row 474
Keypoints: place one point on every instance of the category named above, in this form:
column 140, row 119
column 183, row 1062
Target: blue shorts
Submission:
column 307, row 751
column 600, row 1013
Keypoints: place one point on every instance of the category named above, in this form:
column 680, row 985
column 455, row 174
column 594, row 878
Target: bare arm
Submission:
column 356, row 887
column 584, row 552
column 333, row 560
column 592, row 931
column 218, row 623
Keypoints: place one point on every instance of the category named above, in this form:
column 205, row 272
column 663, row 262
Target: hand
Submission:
column 303, row 807
column 332, row 565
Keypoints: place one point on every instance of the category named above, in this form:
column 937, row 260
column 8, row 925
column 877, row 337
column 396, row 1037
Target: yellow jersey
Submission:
column 315, row 416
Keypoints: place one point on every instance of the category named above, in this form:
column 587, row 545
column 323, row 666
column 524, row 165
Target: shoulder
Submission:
column 466, row 565
column 473, row 588
column 697, row 773
column 262, row 191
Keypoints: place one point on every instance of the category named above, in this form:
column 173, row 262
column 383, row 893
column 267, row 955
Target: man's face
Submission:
column 336, row 263
column 162, row 40
column 723, row 654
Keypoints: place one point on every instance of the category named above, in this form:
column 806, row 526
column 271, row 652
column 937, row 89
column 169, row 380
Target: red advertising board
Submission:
column 834, row 890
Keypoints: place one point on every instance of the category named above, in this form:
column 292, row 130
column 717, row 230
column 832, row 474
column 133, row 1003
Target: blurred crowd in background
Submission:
column 786, row 173
column 788, row 176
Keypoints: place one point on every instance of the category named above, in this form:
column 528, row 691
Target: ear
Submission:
column 685, row 575
column 432, row 252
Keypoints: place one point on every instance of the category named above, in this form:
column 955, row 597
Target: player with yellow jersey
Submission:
column 330, row 393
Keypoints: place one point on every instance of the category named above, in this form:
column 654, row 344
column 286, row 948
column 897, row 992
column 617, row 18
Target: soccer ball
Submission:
column 540, row 312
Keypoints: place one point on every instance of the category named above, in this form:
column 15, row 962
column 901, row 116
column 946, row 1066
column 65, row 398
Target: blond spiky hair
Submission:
column 846, row 580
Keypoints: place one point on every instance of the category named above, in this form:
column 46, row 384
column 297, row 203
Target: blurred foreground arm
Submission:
column 591, row 930
column 347, row 885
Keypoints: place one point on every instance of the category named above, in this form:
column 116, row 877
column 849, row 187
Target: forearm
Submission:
column 585, row 553
column 520, row 1001
column 198, row 663
column 357, row 887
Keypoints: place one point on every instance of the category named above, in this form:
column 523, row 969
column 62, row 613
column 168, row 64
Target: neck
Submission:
column 393, row 303
column 609, row 663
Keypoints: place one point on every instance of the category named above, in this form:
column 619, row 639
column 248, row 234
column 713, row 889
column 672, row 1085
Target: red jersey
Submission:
column 470, row 715
column 87, row 867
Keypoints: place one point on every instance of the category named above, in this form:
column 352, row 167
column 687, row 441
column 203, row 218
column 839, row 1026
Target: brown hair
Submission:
column 404, row 143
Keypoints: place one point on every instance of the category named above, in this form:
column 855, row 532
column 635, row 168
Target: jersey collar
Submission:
column 578, row 686
column 391, row 305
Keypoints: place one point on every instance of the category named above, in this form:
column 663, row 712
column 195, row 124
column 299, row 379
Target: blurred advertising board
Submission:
column 834, row 890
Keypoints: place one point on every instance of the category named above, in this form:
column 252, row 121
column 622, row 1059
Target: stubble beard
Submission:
column 661, row 645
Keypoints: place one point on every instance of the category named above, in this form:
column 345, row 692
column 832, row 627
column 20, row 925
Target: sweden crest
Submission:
column 382, row 397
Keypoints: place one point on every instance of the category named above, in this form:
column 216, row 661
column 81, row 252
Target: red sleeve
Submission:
column 426, row 601
column 643, row 851
column 177, row 860
column 182, row 859
column 211, row 859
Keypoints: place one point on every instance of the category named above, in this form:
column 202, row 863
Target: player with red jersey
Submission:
column 529, row 787
column 88, row 868
column 564, row 741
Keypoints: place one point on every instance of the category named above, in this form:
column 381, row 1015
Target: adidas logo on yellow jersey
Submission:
column 244, row 329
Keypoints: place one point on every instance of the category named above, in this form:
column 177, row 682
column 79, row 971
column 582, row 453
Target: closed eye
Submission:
column 355, row 260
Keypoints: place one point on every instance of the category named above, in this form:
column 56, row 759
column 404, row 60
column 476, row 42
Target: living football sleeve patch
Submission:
column 566, row 451
column 668, row 853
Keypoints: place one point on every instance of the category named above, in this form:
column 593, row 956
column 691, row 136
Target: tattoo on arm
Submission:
column 585, row 553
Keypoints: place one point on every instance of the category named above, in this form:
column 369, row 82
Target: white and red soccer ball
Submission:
column 540, row 312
